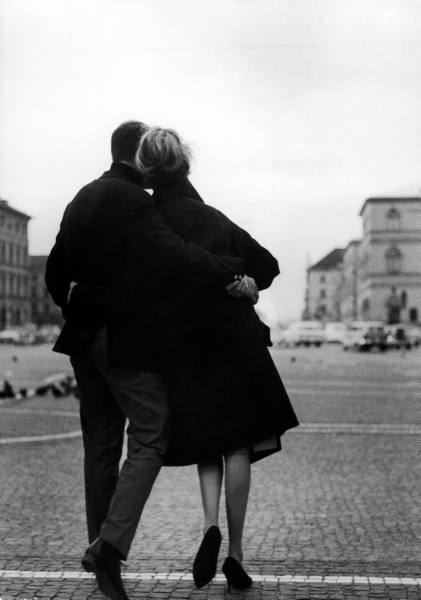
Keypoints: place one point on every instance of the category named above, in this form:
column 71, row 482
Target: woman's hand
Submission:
column 244, row 287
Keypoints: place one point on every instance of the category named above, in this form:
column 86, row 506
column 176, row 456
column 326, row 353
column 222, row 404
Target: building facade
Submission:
column 377, row 278
column 14, row 268
column 323, row 287
column 43, row 309
column 349, row 288
column 390, row 260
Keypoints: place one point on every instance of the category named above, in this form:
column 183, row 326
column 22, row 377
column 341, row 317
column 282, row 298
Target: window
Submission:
column 322, row 279
column 322, row 293
column 365, row 307
column 393, row 218
column 404, row 299
column 413, row 315
column 393, row 259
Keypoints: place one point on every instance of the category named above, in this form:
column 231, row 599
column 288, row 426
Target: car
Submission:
column 334, row 332
column 398, row 335
column 364, row 336
column 414, row 336
column 9, row 336
column 48, row 334
column 303, row 333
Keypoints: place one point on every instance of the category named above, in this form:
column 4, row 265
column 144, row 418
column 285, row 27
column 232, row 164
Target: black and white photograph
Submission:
column 210, row 300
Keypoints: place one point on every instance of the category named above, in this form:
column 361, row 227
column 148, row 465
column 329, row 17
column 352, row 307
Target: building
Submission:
column 349, row 290
column 390, row 260
column 14, row 284
column 378, row 277
column 324, row 286
column 43, row 309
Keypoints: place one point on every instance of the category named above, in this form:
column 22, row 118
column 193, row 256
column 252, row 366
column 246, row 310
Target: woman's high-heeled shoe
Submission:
column 204, row 566
column 235, row 574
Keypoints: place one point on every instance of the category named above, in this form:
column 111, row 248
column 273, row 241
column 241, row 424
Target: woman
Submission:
column 228, row 405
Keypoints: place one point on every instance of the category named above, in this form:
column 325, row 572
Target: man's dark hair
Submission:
column 125, row 140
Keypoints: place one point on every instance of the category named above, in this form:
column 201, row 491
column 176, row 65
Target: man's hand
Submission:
column 244, row 287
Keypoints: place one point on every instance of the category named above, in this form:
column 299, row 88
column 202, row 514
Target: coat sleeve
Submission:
column 166, row 254
column 260, row 264
column 56, row 274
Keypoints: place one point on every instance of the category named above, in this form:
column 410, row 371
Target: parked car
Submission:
column 334, row 332
column 29, row 334
column 400, row 334
column 364, row 336
column 303, row 333
column 414, row 336
column 48, row 334
column 9, row 336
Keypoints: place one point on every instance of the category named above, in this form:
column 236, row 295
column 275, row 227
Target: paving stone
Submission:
column 327, row 505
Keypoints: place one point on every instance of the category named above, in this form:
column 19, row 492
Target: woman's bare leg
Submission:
column 237, row 487
column 210, row 478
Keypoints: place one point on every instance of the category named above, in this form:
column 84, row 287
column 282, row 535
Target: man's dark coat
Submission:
column 114, row 244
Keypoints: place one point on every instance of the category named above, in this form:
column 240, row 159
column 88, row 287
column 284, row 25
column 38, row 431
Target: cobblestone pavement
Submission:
column 329, row 505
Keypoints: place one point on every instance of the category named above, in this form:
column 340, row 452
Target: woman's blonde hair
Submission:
column 162, row 152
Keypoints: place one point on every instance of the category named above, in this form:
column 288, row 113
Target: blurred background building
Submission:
column 377, row 277
column 323, row 287
column 349, row 288
column 14, row 286
column 23, row 294
column 43, row 309
column 390, row 259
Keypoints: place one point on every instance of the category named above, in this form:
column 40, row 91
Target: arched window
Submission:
column 393, row 218
column 413, row 315
column 365, row 307
column 393, row 258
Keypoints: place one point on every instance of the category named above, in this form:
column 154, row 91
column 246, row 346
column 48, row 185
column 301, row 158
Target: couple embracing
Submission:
column 157, row 293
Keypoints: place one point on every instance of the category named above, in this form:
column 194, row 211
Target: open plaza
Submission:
column 334, row 515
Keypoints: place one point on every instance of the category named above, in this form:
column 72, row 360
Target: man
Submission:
column 113, row 243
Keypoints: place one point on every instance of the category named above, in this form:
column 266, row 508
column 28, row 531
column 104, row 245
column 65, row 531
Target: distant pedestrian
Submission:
column 7, row 391
column 401, row 341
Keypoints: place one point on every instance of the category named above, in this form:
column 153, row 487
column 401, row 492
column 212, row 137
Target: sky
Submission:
column 296, row 111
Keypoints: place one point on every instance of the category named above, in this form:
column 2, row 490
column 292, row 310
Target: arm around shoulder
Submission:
column 160, row 249
column 260, row 263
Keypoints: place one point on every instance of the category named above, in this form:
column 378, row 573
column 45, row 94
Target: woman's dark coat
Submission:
column 225, row 391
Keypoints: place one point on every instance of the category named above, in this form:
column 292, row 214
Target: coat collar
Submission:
column 119, row 169
column 178, row 185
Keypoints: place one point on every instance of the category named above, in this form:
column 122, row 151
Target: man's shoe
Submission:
column 104, row 560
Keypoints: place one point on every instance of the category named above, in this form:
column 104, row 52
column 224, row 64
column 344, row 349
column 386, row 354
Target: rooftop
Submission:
column 5, row 207
column 389, row 200
column 352, row 243
column 330, row 261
